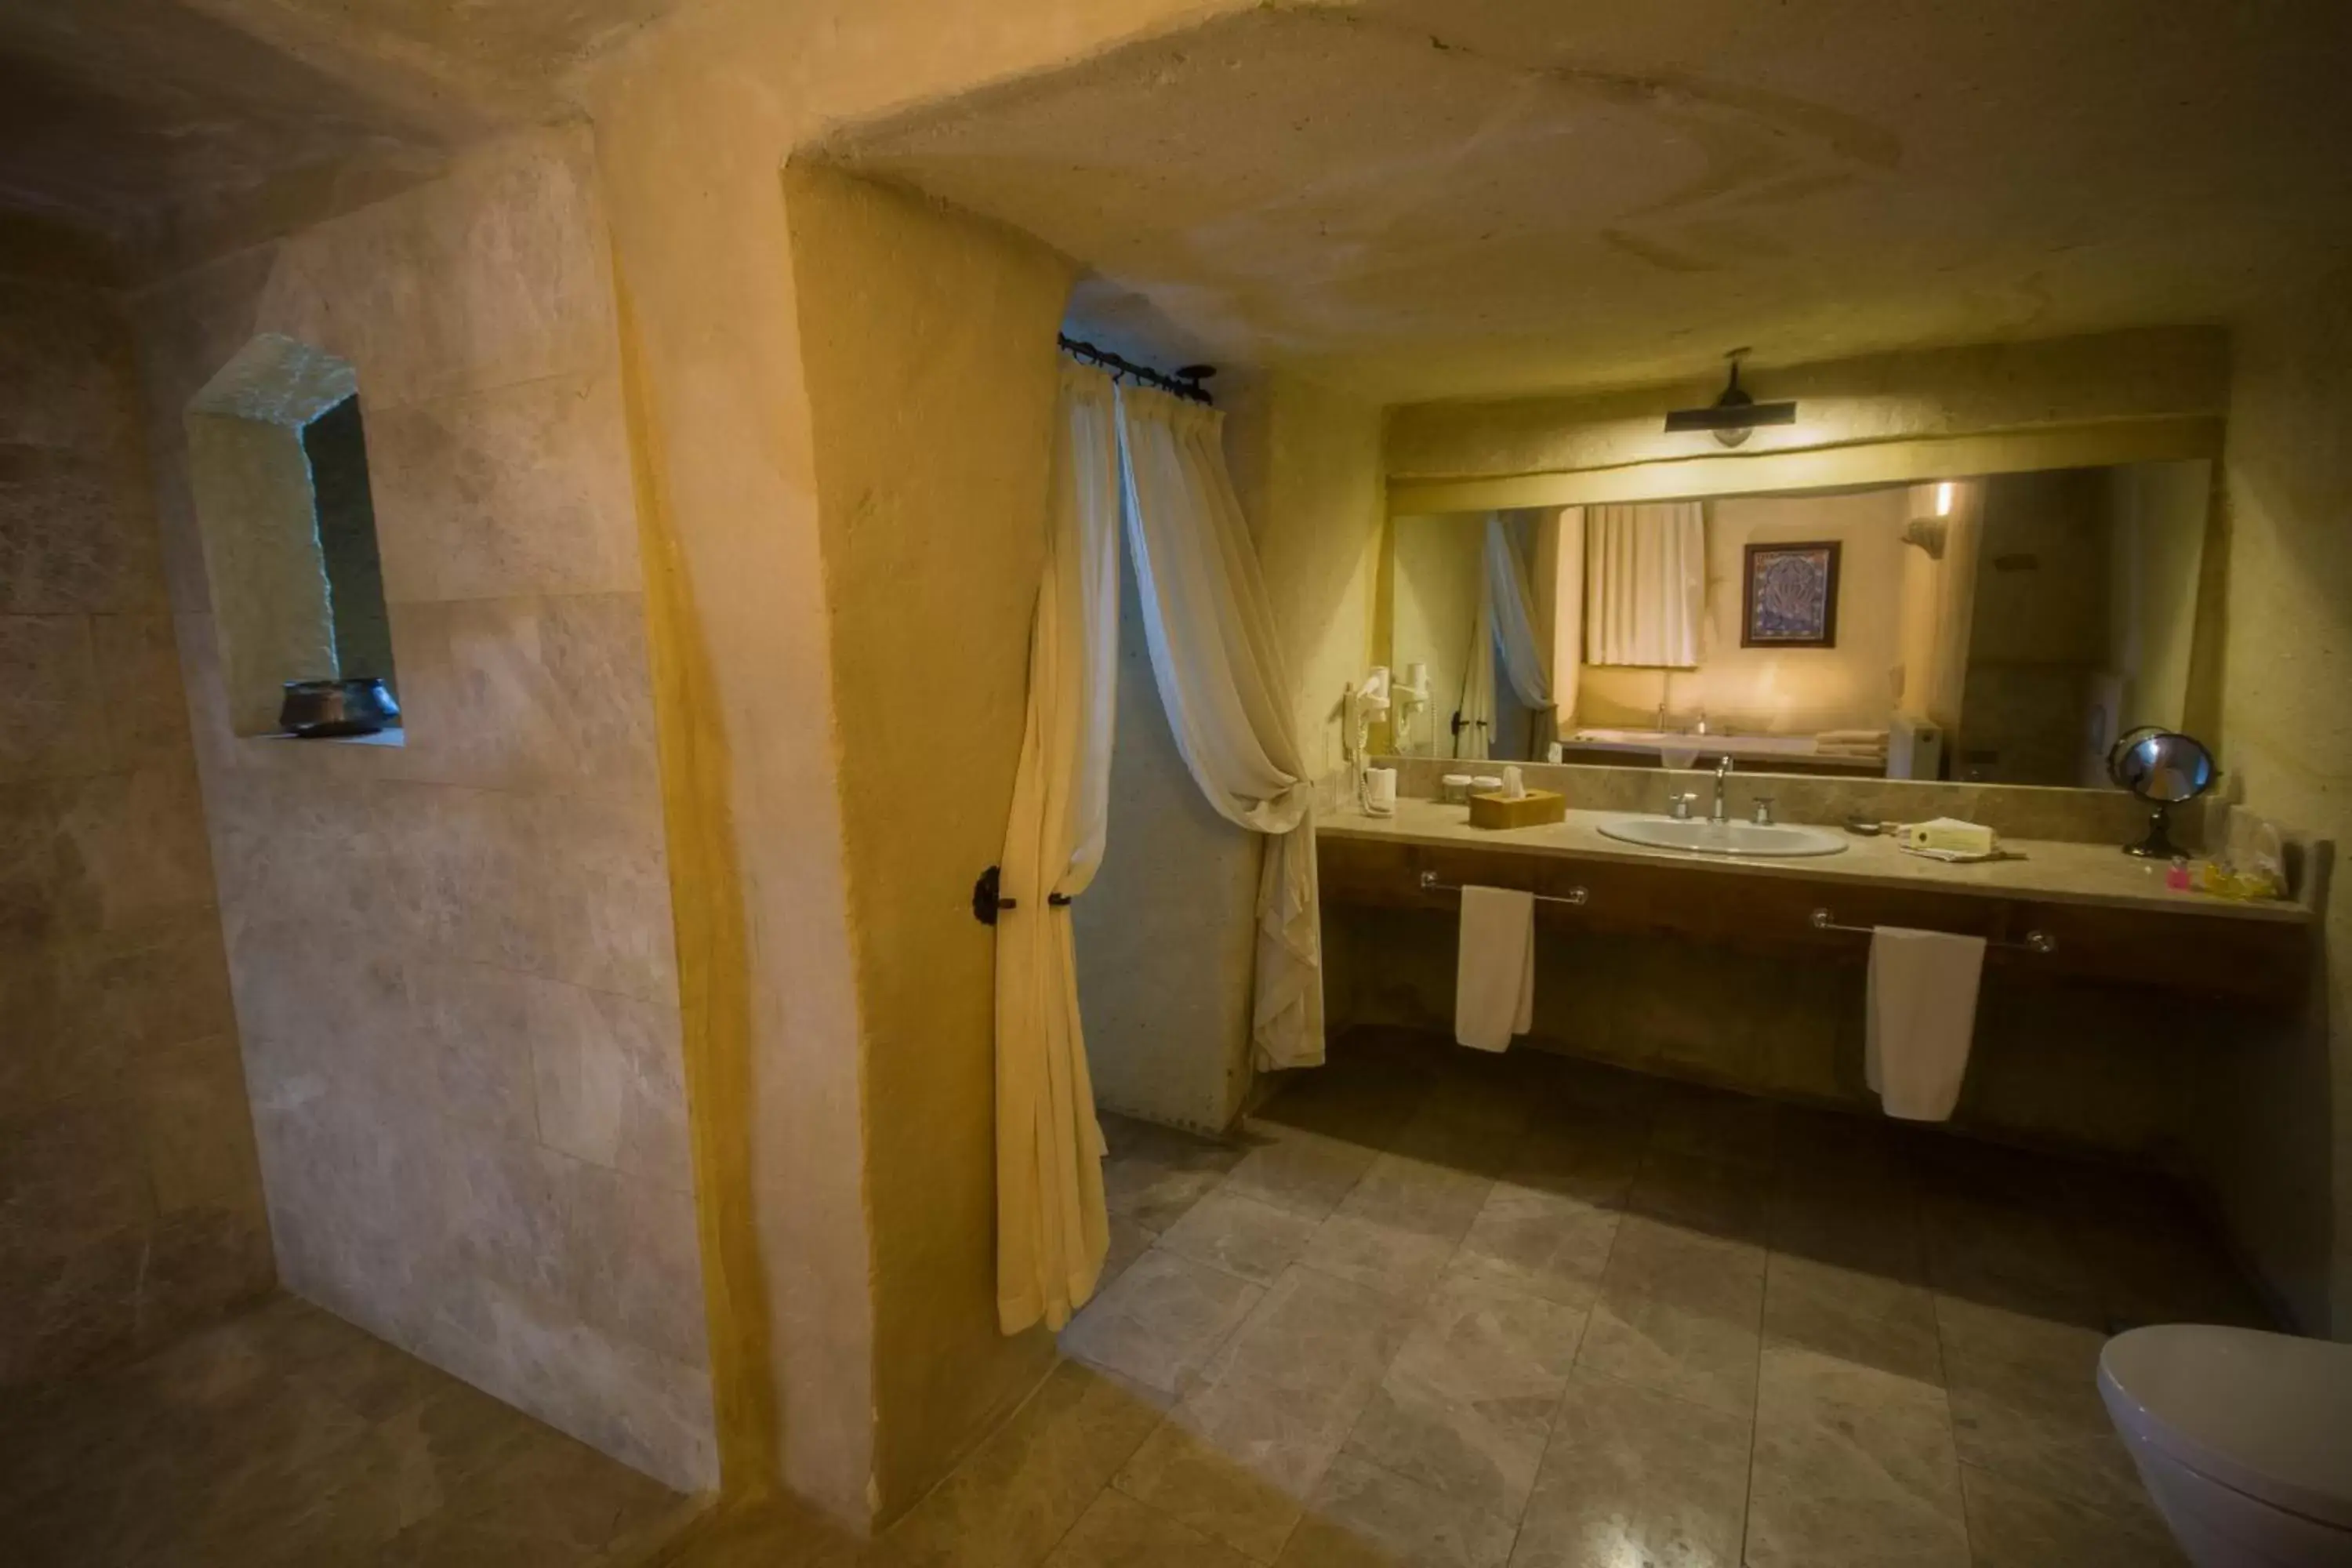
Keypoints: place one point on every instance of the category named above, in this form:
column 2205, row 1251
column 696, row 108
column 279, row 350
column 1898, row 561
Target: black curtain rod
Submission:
column 1184, row 383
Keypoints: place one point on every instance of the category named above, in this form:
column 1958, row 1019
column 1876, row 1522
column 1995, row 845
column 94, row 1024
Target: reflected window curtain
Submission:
column 1947, row 677
column 1051, row 1229
column 1512, row 612
column 1219, row 669
column 1474, row 721
column 1568, row 619
column 1644, row 584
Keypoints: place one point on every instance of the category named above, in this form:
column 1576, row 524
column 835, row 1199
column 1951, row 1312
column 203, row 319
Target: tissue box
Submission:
column 1532, row 809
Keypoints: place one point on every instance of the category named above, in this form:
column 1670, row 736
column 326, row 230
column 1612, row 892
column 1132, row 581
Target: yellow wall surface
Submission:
column 1781, row 690
column 928, row 342
column 2281, row 1103
column 693, row 121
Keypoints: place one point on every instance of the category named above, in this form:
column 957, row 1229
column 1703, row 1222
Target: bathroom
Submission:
column 580, row 1120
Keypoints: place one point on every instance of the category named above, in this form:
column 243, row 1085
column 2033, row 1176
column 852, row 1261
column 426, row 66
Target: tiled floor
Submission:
column 1470, row 1312
column 287, row 1436
column 1429, row 1308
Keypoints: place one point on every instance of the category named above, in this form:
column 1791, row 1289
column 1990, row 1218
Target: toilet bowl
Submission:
column 2243, row 1438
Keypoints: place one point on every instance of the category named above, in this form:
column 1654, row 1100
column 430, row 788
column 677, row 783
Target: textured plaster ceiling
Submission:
column 1430, row 199
column 115, row 111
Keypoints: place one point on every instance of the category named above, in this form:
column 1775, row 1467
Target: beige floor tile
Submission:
column 1715, row 1124
column 1467, row 1404
column 1281, row 1396
column 2025, row 1404
column 1160, row 1319
column 1153, row 1174
column 1585, row 1154
column 1852, row 1315
column 2013, row 1524
column 1712, row 1196
column 1634, row 1476
column 2013, row 1256
column 1194, row 1482
column 1545, row 1243
column 770, row 1533
column 1864, row 1222
column 1020, row 1491
column 1362, row 1515
column 1128, row 1241
column 1852, row 1466
column 1291, row 1168
column 1241, row 1235
column 1681, row 1313
column 1398, row 1228
column 1116, row 1531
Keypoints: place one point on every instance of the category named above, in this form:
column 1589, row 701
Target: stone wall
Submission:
column 129, row 1198
column 454, row 959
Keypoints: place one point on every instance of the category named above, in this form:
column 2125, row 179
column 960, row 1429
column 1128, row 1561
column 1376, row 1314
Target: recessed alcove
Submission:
column 278, row 463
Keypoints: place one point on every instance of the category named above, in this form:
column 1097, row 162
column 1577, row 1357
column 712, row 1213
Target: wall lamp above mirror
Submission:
column 1734, row 415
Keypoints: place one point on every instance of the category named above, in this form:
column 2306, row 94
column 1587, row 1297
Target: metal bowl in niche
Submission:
column 320, row 710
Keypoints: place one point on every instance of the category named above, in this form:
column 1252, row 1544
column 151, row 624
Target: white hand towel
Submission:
column 1922, row 1014
column 1495, row 971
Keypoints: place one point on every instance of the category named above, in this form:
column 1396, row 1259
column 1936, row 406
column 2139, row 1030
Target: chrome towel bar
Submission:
column 2035, row 941
column 1574, row 896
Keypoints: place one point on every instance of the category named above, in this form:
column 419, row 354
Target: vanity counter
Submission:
column 2103, row 915
column 2043, row 870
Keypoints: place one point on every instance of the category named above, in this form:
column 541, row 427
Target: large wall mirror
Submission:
column 2002, row 629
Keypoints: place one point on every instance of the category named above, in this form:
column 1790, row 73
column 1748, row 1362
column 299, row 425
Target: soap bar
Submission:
column 1951, row 836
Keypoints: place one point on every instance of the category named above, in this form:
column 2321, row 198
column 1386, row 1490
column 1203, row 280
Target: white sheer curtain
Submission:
column 1645, row 582
column 1051, row 1231
column 1946, row 675
column 1213, row 655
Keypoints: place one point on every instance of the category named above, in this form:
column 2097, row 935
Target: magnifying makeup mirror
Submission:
column 2163, row 769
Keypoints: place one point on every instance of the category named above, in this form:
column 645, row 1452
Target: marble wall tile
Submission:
column 193, row 1120
column 527, row 693
column 511, row 492
column 1853, row 1465
column 71, row 1174
column 203, row 1261
column 53, row 715
column 145, row 708
column 475, row 1032
column 1634, row 1476
column 64, row 367
column 77, row 532
column 610, row 1082
column 492, row 276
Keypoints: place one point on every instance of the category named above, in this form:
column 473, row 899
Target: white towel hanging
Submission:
column 1922, row 1015
column 1495, row 970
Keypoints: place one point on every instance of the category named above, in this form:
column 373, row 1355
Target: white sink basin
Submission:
column 1748, row 838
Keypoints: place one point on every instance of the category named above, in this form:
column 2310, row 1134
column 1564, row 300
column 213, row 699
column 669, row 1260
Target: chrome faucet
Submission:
column 1722, row 776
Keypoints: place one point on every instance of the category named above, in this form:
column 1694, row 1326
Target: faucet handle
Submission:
column 1763, row 817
